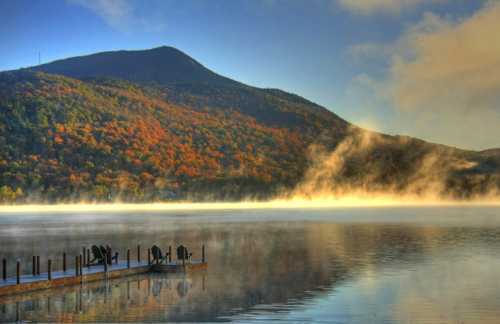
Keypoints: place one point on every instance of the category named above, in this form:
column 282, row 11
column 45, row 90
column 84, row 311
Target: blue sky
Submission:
column 362, row 59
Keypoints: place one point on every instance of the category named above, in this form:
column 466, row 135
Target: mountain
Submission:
column 161, row 66
column 180, row 79
column 157, row 125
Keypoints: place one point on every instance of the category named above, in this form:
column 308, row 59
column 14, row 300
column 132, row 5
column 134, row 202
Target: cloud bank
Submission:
column 443, row 78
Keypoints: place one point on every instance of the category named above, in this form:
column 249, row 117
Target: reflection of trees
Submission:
column 249, row 264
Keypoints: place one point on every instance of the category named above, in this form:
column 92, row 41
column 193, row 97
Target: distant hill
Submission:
column 156, row 125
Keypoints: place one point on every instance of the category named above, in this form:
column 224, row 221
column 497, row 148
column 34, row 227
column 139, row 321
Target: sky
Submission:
column 424, row 68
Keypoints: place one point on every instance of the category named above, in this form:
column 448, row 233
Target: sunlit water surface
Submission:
column 378, row 265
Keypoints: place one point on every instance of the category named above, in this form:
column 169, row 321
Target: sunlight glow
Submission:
column 295, row 203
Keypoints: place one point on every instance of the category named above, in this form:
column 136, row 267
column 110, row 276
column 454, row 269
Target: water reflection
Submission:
column 138, row 298
column 315, row 268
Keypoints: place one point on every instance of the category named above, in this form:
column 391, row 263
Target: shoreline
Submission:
column 275, row 204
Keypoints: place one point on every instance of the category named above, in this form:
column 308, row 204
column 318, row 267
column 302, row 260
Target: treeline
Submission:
column 67, row 140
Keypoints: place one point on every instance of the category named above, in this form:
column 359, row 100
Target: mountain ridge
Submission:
column 70, row 130
column 159, row 65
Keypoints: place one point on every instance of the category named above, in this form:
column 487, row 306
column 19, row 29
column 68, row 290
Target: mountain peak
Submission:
column 161, row 65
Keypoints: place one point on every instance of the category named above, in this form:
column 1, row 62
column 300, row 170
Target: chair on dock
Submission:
column 107, row 250
column 183, row 253
column 104, row 251
column 158, row 257
column 98, row 256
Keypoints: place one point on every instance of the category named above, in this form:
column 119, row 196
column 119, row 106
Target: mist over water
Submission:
column 371, row 166
column 343, row 265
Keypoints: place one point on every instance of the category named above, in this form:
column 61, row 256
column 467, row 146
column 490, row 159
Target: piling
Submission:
column 149, row 256
column 105, row 267
column 81, row 265
column 108, row 253
column 4, row 269
column 128, row 258
column 88, row 258
column 169, row 253
column 64, row 261
column 203, row 253
column 38, row 265
column 138, row 254
column 116, row 257
column 77, row 267
column 34, row 265
column 49, row 269
column 18, row 272
column 84, row 250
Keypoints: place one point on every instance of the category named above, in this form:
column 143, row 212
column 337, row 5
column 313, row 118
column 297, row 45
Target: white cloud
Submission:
column 443, row 78
column 367, row 7
column 126, row 15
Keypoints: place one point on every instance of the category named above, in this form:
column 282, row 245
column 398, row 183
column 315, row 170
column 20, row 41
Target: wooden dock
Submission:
column 85, row 273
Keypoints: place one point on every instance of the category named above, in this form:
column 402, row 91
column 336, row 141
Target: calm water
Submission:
column 401, row 265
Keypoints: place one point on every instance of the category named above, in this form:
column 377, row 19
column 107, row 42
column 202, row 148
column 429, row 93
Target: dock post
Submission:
column 64, row 261
column 203, row 253
column 81, row 265
column 88, row 258
column 4, row 269
column 170, row 253
column 138, row 254
column 38, row 265
column 49, row 269
column 116, row 257
column 34, row 266
column 149, row 256
column 105, row 266
column 128, row 258
column 76, row 265
column 108, row 254
column 84, row 250
column 18, row 272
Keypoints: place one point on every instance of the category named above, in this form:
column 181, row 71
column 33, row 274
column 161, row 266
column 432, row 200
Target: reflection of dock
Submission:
column 178, row 266
column 83, row 273
column 131, row 297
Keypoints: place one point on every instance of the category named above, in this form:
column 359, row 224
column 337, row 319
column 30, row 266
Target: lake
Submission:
column 352, row 265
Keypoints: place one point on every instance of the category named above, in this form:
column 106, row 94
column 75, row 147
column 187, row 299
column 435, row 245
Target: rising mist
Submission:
column 370, row 165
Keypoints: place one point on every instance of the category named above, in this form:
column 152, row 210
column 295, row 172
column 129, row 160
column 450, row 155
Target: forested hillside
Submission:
column 85, row 129
column 63, row 138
